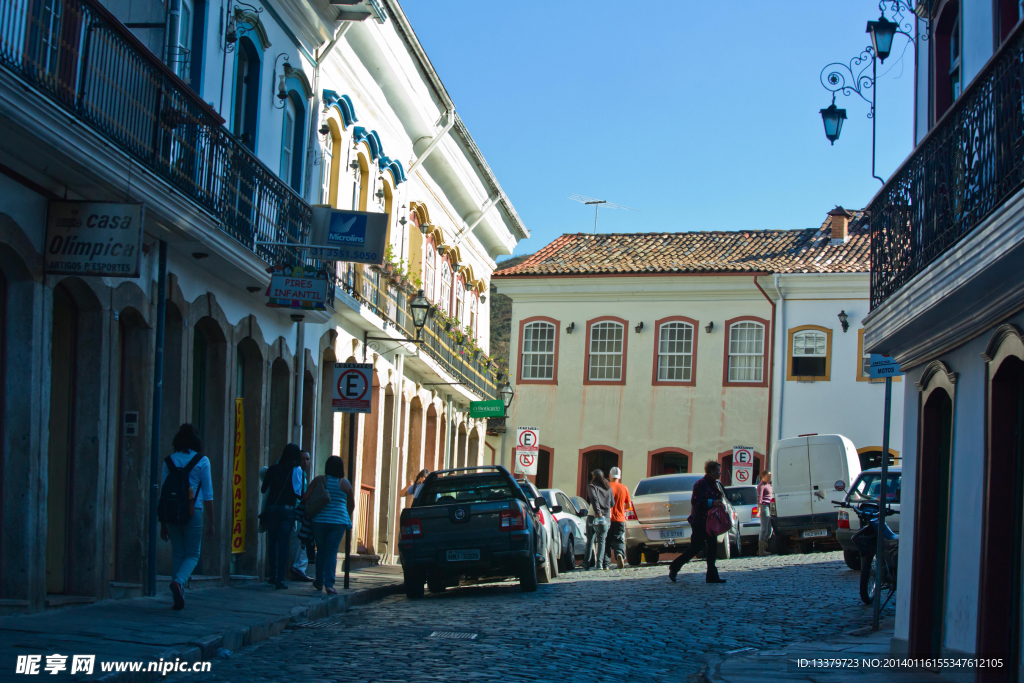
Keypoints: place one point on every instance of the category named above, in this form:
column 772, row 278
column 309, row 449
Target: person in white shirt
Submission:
column 186, row 539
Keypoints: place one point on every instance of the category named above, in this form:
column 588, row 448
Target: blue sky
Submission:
column 702, row 115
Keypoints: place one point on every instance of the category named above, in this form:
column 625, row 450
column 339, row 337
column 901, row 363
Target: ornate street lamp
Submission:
column 882, row 32
column 420, row 308
column 844, row 320
column 507, row 393
column 833, row 119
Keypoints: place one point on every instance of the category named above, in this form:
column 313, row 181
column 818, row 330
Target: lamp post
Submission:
column 852, row 77
column 507, row 393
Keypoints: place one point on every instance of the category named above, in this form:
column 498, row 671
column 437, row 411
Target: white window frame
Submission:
column 686, row 354
column 537, row 362
column 428, row 273
column 446, row 287
column 757, row 354
column 612, row 371
column 288, row 141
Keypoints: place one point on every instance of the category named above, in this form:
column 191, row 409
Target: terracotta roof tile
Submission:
column 774, row 251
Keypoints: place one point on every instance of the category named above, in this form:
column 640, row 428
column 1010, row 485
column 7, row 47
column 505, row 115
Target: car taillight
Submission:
column 540, row 513
column 755, row 512
column 734, row 516
column 411, row 529
column 631, row 514
column 844, row 519
column 512, row 520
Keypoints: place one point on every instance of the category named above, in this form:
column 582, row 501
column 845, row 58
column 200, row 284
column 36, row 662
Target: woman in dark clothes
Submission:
column 283, row 486
column 707, row 493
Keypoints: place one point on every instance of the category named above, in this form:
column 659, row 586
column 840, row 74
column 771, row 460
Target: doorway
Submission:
column 249, row 387
column 668, row 462
column 999, row 600
column 75, row 563
column 279, row 390
column 209, row 403
column 927, row 594
column 599, row 458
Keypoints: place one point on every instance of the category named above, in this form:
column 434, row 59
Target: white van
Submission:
column 809, row 475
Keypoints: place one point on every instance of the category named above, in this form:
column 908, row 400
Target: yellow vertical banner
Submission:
column 238, row 483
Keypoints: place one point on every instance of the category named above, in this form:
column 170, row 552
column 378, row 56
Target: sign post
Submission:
column 238, row 483
column 353, row 393
column 887, row 367
column 527, row 450
column 742, row 464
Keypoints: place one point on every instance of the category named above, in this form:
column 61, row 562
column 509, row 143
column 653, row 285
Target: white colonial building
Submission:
column 227, row 122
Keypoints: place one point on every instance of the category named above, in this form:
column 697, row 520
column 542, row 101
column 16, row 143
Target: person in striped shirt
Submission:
column 331, row 523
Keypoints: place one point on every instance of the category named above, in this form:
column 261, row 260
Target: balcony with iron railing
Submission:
column 86, row 62
column 964, row 169
column 448, row 346
column 83, row 60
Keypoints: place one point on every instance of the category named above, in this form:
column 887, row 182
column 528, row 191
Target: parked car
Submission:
column 865, row 489
column 553, row 536
column 748, row 515
column 471, row 523
column 809, row 475
column 572, row 522
column 661, row 505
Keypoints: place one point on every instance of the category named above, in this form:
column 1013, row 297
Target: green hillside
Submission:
column 501, row 315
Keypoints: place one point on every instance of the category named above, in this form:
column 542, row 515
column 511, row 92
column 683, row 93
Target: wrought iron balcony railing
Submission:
column 967, row 166
column 80, row 56
column 447, row 347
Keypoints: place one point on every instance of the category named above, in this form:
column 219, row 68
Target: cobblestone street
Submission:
column 588, row 626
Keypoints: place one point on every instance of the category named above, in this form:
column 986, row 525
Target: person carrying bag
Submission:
column 185, row 489
column 708, row 496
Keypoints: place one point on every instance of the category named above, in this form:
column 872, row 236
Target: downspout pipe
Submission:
column 314, row 119
column 491, row 201
column 771, row 374
column 433, row 143
column 782, row 370
column 300, row 376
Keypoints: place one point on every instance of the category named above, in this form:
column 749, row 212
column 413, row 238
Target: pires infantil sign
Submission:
column 297, row 287
column 93, row 238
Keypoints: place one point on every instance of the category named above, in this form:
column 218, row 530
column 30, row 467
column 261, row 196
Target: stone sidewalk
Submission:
column 147, row 629
column 783, row 663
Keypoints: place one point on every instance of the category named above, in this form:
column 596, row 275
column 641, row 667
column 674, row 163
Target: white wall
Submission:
column 841, row 405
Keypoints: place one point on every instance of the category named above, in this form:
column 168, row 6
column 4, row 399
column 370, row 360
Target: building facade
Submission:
column 227, row 147
column 946, row 300
column 659, row 352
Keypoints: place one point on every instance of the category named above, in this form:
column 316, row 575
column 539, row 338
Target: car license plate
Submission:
column 673, row 533
column 463, row 555
column 815, row 533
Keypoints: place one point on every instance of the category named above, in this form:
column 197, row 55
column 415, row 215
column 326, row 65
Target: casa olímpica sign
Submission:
column 93, row 238
column 355, row 236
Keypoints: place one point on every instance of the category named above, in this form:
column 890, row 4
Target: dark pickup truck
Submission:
column 470, row 523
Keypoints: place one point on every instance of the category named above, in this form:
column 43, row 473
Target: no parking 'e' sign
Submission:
column 742, row 464
column 353, row 388
column 527, row 449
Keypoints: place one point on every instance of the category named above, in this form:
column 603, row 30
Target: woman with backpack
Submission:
column 331, row 522
column 186, row 497
column 283, row 486
column 599, row 494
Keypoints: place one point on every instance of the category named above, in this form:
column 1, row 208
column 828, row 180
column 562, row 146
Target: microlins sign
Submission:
column 93, row 238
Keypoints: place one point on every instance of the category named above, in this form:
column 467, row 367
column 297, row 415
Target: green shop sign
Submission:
column 494, row 408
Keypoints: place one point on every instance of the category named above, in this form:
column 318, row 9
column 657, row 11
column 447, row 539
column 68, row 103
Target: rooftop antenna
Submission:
column 598, row 204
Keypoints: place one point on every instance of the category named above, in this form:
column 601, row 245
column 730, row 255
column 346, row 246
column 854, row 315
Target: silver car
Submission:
column 572, row 522
column 866, row 488
column 661, row 505
column 553, row 551
column 748, row 515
